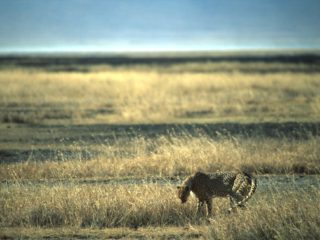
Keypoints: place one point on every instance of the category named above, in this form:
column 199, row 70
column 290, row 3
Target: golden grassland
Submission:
column 63, row 177
column 150, row 96
column 173, row 157
column 273, row 213
column 110, row 233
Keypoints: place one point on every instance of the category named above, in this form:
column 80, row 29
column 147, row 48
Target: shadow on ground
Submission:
column 61, row 137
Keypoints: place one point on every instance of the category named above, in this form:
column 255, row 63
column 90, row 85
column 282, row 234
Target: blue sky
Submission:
column 158, row 25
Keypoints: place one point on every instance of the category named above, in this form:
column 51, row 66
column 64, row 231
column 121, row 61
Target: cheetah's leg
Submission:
column 200, row 208
column 209, row 207
column 232, row 202
column 234, row 199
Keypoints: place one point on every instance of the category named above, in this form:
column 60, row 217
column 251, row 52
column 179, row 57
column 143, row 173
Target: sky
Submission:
column 157, row 25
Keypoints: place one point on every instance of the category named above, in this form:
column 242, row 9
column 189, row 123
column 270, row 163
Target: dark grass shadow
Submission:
column 23, row 155
column 291, row 130
column 82, row 63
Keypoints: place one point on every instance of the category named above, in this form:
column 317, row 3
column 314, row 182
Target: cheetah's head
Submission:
column 183, row 193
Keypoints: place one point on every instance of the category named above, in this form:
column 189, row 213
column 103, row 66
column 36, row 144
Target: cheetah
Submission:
column 238, row 186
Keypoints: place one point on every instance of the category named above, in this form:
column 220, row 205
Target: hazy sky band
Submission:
column 133, row 25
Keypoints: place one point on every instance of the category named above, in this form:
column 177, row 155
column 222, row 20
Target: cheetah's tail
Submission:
column 253, row 183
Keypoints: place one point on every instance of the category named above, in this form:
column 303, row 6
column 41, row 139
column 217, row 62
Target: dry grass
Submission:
column 135, row 96
column 175, row 156
column 47, row 190
column 105, row 233
column 86, row 206
column 282, row 215
column 271, row 214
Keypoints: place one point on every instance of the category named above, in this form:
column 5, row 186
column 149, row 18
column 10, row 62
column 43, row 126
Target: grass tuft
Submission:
column 272, row 212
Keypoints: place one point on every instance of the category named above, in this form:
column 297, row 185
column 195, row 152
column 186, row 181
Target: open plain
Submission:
column 94, row 146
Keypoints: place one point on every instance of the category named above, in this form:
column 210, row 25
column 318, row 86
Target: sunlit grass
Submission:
column 271, row 214
column 175, row 156
column 281, row 215
column 135, row 96
column 87, row 185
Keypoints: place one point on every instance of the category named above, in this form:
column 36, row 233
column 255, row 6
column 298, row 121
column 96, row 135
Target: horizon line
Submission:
column 161, row 51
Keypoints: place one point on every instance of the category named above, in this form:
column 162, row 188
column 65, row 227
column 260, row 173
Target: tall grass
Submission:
column 86, row 206
column 281, row 215
column 127, row 96
column 32, row 195
column 170, row 156
column 271, row 214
